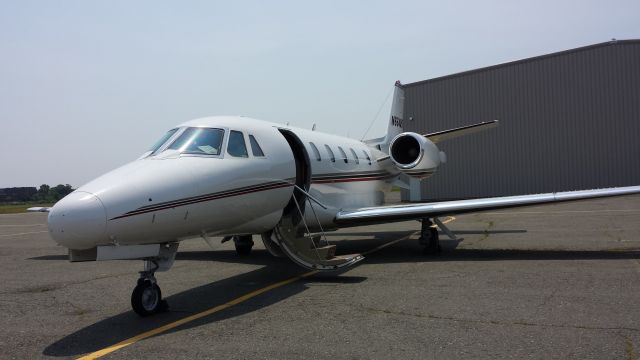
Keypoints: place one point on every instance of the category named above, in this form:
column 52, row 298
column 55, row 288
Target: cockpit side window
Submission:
column 162, row 140
column 256, row 150
column 333, row 157
column 237, row 146
column 204, row 141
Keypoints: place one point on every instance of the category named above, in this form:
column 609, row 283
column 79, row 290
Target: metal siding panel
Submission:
column 570, row 121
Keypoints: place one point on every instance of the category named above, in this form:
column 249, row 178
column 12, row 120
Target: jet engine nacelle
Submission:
column 415, row 155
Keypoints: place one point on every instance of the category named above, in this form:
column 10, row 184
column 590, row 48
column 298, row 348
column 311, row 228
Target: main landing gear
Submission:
column 243, row 243
column 429, row 237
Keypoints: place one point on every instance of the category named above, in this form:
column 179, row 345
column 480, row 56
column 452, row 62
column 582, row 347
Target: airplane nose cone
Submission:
column 78, row 221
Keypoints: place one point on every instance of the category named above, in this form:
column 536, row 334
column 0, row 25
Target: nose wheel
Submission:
column 146, row 298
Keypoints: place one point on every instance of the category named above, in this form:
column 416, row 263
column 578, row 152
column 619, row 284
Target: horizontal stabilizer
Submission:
column 440, row 136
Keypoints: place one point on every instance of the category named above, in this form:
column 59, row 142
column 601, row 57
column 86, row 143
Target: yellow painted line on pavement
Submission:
column 236, row 301
column 388, row 244
column 175, row 324
column 445, row 221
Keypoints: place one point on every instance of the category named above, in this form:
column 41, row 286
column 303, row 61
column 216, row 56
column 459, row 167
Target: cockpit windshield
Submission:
column 162, row 140
column 199, row 141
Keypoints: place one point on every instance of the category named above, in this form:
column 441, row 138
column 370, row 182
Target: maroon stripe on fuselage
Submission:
column 320, row 179
column 350, row 179
column 199, row 199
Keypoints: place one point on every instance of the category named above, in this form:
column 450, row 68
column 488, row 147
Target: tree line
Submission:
column 44, row 194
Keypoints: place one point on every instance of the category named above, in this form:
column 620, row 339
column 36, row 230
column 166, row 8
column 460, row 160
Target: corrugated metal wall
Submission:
column 569, row 121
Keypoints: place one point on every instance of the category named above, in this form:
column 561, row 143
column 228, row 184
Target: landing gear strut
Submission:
column 429, row 237
column 243, row 243
column 146, row 298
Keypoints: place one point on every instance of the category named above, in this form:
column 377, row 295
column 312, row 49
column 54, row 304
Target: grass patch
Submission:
column 18, row 208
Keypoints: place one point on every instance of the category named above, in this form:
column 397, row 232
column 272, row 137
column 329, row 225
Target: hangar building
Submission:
column 568, row 120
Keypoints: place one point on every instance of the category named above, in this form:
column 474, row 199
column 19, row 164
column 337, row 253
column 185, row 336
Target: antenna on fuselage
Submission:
column 313, row 128
column 377, row 113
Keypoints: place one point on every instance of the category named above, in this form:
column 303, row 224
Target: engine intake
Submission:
column 406, row 151
column 415, row 155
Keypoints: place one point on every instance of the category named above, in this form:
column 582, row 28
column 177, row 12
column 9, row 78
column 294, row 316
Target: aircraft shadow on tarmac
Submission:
column 400, row 233
column 127, row 324
column 50, row 257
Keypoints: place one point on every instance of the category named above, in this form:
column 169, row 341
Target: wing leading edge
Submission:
column 384, row 214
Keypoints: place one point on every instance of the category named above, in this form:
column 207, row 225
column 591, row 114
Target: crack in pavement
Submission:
column 547, row 299
column 494, row 322
column 57, row 286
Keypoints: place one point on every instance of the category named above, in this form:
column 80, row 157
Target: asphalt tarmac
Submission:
column 546, row 282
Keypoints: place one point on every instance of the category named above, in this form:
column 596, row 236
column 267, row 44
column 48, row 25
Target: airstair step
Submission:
column 309, row 250
column 326, row 252
column 340, row 259
column 316, row 240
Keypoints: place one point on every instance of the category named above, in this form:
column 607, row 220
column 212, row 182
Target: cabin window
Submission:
column 162, row 140
column 203, row 141
column 237, row 146
column 315, row 151
column 367, row 156
column 343, row 154
column 333, row 157
column 256, row 150
column 355, row 156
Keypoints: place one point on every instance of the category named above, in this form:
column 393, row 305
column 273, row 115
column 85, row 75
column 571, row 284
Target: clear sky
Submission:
column 86, row 86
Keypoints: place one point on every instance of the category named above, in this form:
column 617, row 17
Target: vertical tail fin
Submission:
column 395, row 120
column 396, row 117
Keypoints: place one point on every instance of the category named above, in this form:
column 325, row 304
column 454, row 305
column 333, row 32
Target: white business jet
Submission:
column 235, row 177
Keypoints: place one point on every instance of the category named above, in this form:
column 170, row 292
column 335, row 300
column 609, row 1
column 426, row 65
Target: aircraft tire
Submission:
column 243, row 244
column 146, row 299
column 432, row 242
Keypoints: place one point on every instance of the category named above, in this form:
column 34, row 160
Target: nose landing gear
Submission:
column 146, row 298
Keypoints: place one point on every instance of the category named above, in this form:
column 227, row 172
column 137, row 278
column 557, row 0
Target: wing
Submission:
column 440, row 136
column 382, row 214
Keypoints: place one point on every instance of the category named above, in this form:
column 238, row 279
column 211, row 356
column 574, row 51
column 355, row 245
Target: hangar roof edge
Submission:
column 526, row 60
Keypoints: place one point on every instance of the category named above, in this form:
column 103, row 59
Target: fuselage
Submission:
column 200, row 180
